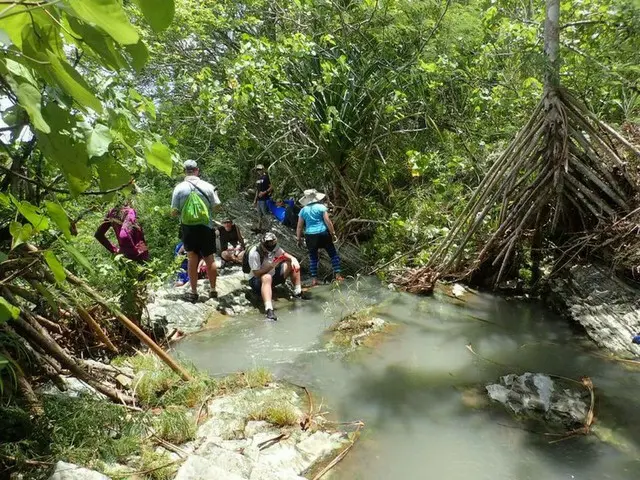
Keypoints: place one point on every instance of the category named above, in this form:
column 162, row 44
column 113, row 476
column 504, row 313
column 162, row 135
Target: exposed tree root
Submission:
column 563, row 173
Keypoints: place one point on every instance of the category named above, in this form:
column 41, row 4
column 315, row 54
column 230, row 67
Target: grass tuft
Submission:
column 280, row 414
column 175, row 425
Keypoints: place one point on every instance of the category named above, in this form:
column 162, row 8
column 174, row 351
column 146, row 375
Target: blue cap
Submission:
column 636, row 339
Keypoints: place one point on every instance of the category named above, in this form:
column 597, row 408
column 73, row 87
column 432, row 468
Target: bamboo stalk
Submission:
column 95, row 327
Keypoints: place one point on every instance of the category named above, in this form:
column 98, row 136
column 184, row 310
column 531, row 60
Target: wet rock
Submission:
column 70, row 471
column 538, row 397
column 606, row 306
column 168, row 309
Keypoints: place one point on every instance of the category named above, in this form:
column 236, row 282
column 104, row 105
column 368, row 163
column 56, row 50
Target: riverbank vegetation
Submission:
column 449, row 141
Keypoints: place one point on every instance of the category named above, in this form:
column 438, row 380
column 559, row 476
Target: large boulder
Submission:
column 539, row 398
column 606, row 306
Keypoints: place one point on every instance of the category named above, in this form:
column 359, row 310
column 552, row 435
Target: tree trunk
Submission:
column 552, row 45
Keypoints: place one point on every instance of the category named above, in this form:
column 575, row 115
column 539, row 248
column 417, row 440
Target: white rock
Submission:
column 199, row 468
column 225, row 459
column 225, row 425
column 254, row 427
column 458, row 290
column 266, row 472
column 70, row 471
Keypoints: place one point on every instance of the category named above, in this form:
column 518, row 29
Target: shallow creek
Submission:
column 409, row 388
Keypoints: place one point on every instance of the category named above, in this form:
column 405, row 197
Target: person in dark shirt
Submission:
column 232, row 244
column 263, row 192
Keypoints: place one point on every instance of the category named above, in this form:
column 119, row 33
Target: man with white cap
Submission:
column 270, row 266
column 195, row 200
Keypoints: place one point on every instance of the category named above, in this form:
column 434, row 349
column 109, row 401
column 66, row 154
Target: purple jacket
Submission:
column 129, row 234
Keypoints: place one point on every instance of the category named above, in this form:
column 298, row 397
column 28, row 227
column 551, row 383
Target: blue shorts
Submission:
column 278, row 279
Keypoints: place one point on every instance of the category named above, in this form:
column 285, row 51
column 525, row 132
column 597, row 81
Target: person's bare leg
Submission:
column 227, row 256
column 212, row 271
column 239, row 257
column 193, row 259
column 265, row 291
column 287, row 272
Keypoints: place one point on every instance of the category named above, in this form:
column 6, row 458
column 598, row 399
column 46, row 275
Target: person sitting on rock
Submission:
column 232, row 244
column 128, row 232
column 318, row 232
column 270, row 266
column 183, row 274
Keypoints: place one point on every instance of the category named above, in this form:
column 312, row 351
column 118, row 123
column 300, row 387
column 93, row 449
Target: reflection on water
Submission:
column 408, row 390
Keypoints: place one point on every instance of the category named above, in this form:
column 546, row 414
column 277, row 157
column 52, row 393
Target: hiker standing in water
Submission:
column 194, row 200
column 318, row 232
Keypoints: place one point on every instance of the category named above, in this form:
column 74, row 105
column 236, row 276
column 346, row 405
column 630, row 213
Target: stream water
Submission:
column 409, row 389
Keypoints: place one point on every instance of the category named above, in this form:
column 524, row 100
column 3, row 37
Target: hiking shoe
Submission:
column 213, row 294
column 299, row 296
column 270, row 315
column 191, row 297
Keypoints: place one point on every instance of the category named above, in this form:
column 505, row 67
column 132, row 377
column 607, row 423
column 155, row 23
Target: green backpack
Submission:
column 195, row 211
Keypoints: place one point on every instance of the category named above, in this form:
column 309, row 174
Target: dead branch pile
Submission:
column 420, row 280
column 564, row 173
column 56, row 323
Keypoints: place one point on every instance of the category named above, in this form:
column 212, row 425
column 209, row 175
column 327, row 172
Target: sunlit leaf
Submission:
column 107, row 52
column 20, row 233
column 59, row 217
column 15, row 23
column 55, row 266
column 32, row 214
column 7, row 311
column 109, row 16
column 159, row 156
column 98, row 140
column 30, row 99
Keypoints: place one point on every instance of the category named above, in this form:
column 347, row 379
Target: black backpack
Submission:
column 245, row 260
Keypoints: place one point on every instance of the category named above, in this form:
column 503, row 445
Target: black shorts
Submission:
column 318, row 241
column 278, row 279
column 199, row 239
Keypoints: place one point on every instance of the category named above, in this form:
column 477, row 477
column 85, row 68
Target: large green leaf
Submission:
column 102, row 45
column 72, row 83
column 79, row 257
column 32, row 214
column 20, row 233
column 111, row 174
column 59, row 217
column 56, row 267
column 7, row 311
column 159, row 13
column 30, row 99
column 65, row 150
column 159, row 156
column 98, row 140
column 139, row 55
column 109, row 16
column 14, row 23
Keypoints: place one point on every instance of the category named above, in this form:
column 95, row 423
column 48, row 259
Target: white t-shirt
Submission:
column 183, row 189
column 254, row 259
